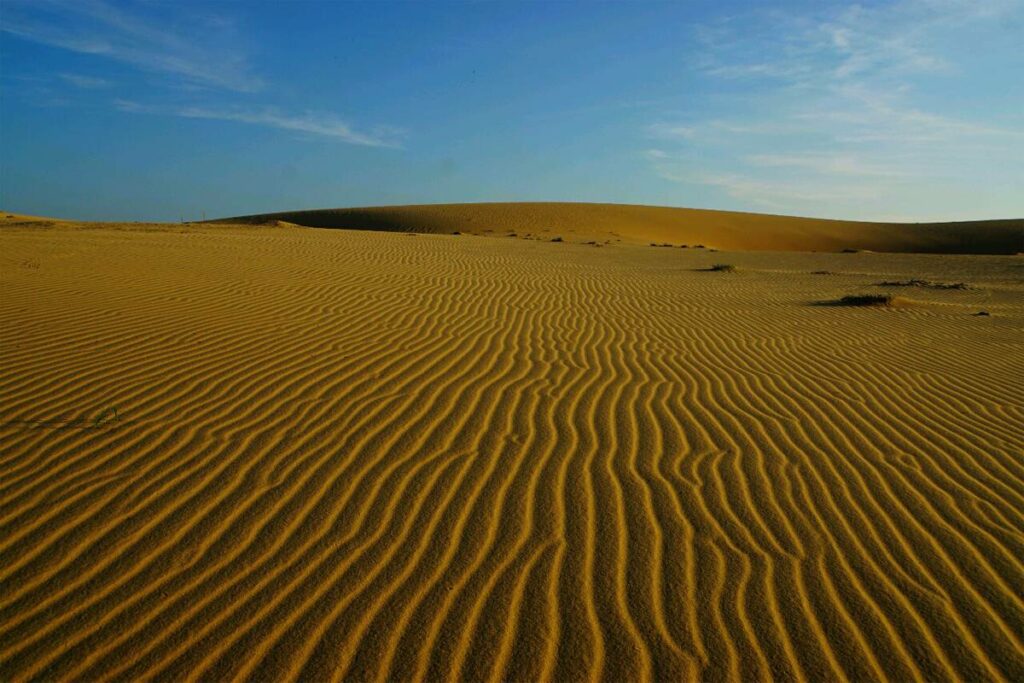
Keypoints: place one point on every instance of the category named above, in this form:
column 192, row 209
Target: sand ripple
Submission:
column 351, row 455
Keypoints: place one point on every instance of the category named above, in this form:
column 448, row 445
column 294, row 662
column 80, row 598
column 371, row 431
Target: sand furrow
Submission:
column 353, row 455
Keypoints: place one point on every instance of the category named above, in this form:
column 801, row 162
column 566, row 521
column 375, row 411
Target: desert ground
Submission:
column 255, row 450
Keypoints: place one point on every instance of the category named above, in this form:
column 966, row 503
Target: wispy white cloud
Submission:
column 713, row 131
column 838, row 107
column 772, row 194
column 314, row 123
column 853, row 40
column 868, row 112
column 826, row 164
column 758, row 70
column 776, row 193
column 85, row 82
column 204, row 53
column 667, row 130
column 190, row 49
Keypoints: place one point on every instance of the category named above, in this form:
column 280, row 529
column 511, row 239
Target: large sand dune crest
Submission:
column 722, row 229
column 345, row 455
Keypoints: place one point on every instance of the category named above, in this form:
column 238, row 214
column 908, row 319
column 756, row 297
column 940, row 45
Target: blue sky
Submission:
column 902, row 110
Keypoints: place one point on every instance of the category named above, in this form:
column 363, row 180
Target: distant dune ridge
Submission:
column 721, row 229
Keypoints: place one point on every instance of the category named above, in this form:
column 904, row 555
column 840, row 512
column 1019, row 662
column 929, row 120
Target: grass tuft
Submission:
column 866, row 300
column 924, row 283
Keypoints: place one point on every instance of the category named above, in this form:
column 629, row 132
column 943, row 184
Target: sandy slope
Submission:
column 632, row 223
column 344, row 454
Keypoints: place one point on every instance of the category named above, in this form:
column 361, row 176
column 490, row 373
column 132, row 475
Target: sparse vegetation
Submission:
column 723, row 268
column 866, row 300
column 924, row 283
column 750, row 231
column 822, row 272
column 557, row 239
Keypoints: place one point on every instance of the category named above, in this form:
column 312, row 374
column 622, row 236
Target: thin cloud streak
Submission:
column 203, row 56
column 836, row 100
column 775, row 195
column 315, row 123
column 824, row 164
column 85, row 82
column 195, row 52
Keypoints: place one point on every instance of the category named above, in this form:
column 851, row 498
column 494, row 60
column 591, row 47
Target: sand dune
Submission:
column 631, row 223
column 348, row 455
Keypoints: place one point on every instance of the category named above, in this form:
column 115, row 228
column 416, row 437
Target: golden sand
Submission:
column 633, row 223
column 366, row 456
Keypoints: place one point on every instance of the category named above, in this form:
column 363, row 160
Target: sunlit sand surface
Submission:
column 282, row 453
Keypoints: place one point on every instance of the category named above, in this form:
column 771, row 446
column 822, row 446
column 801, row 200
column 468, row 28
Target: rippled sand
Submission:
column 286, row 453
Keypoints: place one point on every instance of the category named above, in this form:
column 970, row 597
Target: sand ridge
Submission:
column 346, row 455
column 643, row 224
